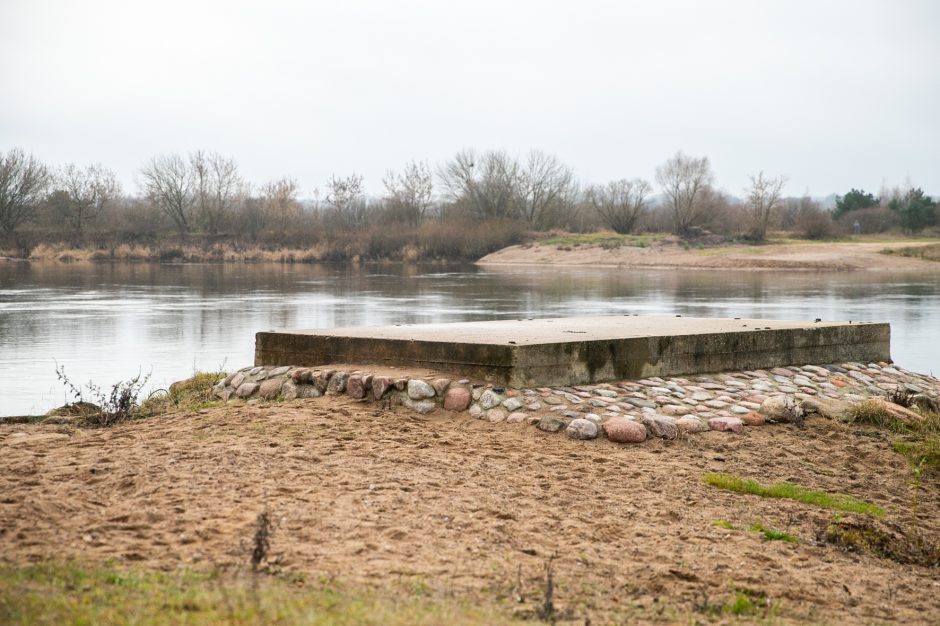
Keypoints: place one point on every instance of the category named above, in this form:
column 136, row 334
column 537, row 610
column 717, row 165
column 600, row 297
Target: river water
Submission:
column 107, row 322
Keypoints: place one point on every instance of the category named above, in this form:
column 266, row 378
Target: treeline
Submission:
column 469, row 205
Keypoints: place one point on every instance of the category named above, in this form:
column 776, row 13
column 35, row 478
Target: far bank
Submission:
column 651, row 252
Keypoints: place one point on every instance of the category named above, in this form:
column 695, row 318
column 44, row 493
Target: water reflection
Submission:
column 106, row 321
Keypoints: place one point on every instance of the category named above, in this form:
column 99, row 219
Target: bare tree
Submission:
column 621, row 203
column 686, row 182
column 218, row 188
column 279, row 205
column 545, row 187
column 345, row 195
column 487, row 184
column 81, row 194
column 763, row 203
column 168, row 182
column 23, row 184
column 411, row 192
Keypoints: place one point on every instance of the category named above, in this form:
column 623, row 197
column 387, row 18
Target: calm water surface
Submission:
column 106, row 322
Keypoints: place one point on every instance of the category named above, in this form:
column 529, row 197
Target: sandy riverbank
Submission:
column 377, row 495
column 670, row 254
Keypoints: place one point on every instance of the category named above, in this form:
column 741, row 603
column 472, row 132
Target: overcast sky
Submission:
column 831, row 94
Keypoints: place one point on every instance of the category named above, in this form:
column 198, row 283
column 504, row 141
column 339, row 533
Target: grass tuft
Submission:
column 192, row 394
column 770, row 534
column 791, row 491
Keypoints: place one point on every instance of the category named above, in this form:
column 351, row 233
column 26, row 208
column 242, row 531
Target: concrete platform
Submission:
column 576, row 350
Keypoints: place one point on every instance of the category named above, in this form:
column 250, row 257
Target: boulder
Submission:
column 419, row 390
column 660, row 426
column 456, row 398
column 380, row 386
column 622, row 430
column 271, row 388
column 732, row 424
column 581, row 429
column 552, row 423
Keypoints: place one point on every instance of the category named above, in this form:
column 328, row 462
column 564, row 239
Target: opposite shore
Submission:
column 593, row 250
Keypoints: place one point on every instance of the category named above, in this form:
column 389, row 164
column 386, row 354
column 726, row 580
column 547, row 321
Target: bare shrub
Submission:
column 815, row 223
column 112, row 407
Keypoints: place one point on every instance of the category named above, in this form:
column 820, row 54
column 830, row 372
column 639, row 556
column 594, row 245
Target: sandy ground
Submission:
column 829, row 256
column 466, row 506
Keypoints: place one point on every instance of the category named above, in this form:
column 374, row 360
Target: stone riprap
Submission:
column 624, row 412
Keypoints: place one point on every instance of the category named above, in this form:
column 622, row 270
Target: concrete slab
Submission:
column 576, row 350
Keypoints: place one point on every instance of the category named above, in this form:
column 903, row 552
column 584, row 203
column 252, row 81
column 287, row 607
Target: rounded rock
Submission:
column 270, row 388
column 581, row 429
column 419, row 390
column 490, row 399
column 456, row 399
column 661, row 426
column 691, row 425
column 246, row 389
column 622, row 430
column 497, row 415
column 730, row 424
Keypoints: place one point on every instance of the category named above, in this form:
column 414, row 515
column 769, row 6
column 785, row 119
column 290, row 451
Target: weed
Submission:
column 747, row 602
column 546, row 610
column 724, row 524
column 261, row 541
column 770, row 534
column 192, row 394
column 107, row 409
column 920, row 445
column 791, row 491
column 874, row 413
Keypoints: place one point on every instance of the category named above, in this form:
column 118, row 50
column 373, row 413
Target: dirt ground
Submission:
column 369, row 495
column 818, row 256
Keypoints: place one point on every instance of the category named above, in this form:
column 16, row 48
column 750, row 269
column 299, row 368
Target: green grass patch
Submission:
column 920, row 444
column 791, row 491
column 603, row 240
column 770, row 534
column 69, row 594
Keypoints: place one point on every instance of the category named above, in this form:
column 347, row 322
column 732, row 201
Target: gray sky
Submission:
column 832, row 94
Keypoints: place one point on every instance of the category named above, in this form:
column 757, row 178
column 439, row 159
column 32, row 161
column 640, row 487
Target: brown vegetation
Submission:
column 199, row 207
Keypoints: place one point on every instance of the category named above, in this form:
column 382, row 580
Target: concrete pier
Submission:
column 580, row 350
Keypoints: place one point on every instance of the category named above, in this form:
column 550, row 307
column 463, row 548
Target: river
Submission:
column 107, row 322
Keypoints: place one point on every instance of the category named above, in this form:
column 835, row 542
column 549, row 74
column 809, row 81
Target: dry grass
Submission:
column 56, row 594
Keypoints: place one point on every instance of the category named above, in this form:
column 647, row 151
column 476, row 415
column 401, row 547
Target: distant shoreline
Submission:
column 898, row 255
column 657, row 252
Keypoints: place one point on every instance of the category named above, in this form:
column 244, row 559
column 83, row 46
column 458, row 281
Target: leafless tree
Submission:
column 168, row 183
column 545, row 187
column 218, row 188
column 345, row 196
column 686, row 183
column 23, row 184
column 621, row 203
column 487, row 184
column 411, row 192
column 81, row 194
column 763, row 203
column 279, row 203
